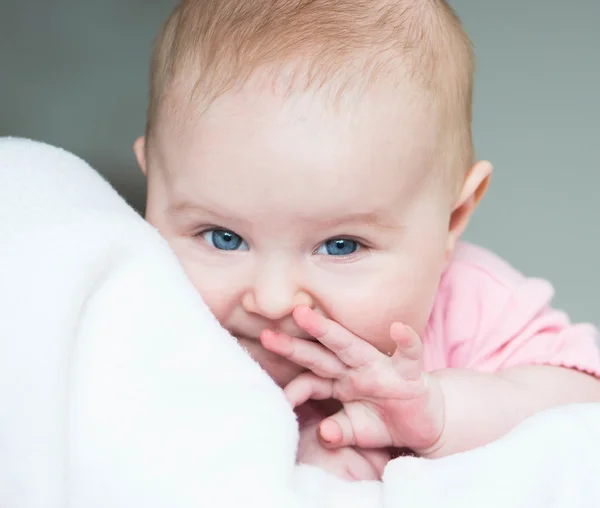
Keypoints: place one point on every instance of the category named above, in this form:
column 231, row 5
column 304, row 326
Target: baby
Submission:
column 311, row 164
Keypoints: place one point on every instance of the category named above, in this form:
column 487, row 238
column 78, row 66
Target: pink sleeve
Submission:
column 489, row 317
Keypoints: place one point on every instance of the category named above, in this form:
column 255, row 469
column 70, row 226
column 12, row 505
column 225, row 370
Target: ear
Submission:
column 139, row 148
column 472, row 191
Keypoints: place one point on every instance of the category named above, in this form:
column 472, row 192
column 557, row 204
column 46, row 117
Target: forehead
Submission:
column 300, row 151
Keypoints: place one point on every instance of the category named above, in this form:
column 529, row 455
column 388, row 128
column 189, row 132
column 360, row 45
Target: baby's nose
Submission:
column 274, row 295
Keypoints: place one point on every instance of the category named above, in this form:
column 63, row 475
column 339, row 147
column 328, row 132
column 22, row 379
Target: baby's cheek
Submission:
column 375, row 333
column 211, row 290
column 380, row 339
column 374, row 323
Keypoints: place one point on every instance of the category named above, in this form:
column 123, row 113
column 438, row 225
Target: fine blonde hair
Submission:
column 214, row 45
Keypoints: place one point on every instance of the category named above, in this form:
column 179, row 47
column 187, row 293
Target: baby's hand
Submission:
column 347, row 462
column 389, row 401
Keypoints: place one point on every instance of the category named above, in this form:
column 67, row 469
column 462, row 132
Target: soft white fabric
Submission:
column 118, row 388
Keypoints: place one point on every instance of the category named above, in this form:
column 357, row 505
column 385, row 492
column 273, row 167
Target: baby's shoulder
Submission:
column 482, row 295
column 477, row 267
column 476, row 276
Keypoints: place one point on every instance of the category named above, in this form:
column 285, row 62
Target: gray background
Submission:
column 74, row 73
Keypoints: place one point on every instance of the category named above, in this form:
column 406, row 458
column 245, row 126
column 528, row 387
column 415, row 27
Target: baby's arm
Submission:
column 511, row 354
column 481, row 407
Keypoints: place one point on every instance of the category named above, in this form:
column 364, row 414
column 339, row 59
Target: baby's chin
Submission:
column 282, row 371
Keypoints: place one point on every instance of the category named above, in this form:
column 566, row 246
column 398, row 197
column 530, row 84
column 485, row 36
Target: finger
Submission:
column 363, row 471
column 305, row 353
column 407, row 341
column 307, row 386
column 377, row 457
column 337, row 431
column 408, row 357
column 350, row 349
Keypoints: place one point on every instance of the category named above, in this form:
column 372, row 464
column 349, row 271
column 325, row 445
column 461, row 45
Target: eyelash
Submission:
column 362, row 246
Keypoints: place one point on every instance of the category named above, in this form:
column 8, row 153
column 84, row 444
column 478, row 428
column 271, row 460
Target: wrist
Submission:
column 436, row 411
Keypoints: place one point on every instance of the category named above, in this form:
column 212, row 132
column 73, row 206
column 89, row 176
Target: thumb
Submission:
column 337, row 431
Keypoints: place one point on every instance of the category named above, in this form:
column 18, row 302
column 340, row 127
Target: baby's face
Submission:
column 273, row 202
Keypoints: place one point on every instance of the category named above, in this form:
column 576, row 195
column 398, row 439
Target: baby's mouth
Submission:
column 298, row 335
column 281, row 370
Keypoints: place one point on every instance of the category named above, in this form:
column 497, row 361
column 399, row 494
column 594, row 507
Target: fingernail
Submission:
column 323, row 438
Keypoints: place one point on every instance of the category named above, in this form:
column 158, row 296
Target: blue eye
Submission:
column 338, row 247
column 223, row 239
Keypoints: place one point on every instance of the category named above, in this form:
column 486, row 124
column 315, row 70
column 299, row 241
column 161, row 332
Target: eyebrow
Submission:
column 183, row 207
column 372, row 219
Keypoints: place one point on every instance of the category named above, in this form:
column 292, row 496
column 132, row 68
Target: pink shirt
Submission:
column 487, row 317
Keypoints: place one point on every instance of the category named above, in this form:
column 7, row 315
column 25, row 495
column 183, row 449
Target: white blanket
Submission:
column 119, row 389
